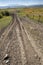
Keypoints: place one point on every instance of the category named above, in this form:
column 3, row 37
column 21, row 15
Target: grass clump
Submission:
column 5, row 21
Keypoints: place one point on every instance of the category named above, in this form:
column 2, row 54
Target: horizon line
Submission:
column 20, row 5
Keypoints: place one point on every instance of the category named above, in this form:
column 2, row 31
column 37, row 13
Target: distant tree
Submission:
column 1, row 15
column 5, row 13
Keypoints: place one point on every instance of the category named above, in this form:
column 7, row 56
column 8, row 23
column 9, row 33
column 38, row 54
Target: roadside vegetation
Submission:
column 5, row 21
column 32, row 13
column 5, row 18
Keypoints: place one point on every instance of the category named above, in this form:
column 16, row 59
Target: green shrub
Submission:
column 1, row 15
column 5, row 13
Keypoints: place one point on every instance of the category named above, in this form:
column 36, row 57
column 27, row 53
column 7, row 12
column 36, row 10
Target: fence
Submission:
column 37, row 17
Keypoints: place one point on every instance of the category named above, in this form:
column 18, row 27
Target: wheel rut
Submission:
column 16, row 44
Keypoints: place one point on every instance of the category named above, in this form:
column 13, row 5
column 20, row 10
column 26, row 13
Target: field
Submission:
column 32, row 13
column 5, row 21
column 5, row 18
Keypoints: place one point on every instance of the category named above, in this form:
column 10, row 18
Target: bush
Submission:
column 1, row 15
column 5, row 13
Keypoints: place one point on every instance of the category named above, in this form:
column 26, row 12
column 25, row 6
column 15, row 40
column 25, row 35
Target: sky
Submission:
column 20, row 2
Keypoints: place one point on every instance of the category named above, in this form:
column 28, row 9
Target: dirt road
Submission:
column 16, row 42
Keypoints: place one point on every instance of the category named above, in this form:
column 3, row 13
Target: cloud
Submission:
column 19, row 2
column 1, row 4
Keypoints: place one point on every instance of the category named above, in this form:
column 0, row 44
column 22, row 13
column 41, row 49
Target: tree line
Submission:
column 4, row 13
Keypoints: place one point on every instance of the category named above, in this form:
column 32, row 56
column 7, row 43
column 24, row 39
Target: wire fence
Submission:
column 37, row 17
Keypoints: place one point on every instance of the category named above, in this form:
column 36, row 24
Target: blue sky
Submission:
column 20, row 2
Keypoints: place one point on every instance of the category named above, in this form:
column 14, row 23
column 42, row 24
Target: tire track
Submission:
column 11, row 47
column 18, row 46
column 33, row 43
column 24, row 43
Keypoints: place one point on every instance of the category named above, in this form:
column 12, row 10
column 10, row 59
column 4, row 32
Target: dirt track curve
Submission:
column 20, row 47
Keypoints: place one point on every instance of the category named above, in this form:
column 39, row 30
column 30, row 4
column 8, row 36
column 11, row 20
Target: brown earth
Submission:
column 18, row 41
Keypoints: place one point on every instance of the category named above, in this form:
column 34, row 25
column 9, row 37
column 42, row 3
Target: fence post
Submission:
column 33, row 16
